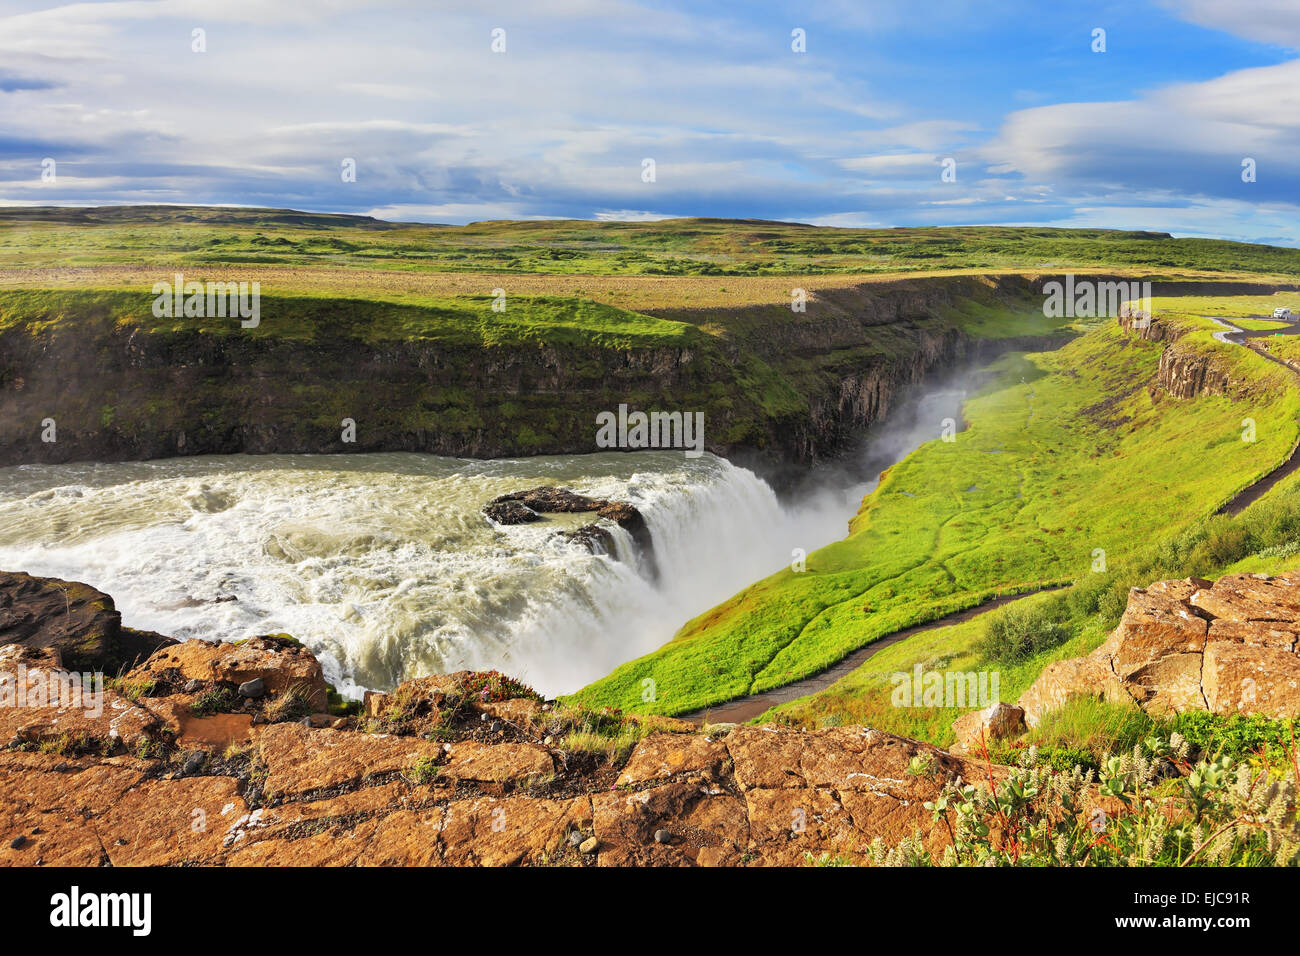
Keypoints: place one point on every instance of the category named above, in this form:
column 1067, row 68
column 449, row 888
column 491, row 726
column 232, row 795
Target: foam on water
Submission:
column 384, row 566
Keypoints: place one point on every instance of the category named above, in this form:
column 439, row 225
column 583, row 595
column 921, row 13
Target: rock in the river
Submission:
column 593, row 537
column 510, row 512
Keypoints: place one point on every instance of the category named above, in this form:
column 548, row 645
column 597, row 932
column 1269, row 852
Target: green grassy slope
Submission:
column 1067, row 452
column 1263, row 538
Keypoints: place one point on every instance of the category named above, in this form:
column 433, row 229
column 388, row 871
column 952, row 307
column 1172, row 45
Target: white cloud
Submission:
column 1269, row 21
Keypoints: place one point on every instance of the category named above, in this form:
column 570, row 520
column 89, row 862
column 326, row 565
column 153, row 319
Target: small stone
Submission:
column 252, row 688
column 17, row 842
column 588, row 845
column 193, row 686
column 575, row 837
column 494, row 726
column 194, row 763
column 663, row 836
column 548, row 740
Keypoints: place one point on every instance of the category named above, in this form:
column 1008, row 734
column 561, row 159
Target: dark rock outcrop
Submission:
column 1188, row 373
column 510, row 512
column 593, row 537
column 76, row 620
column 519, row 507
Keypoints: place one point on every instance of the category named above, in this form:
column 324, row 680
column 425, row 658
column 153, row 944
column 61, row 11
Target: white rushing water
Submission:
column 384, row 565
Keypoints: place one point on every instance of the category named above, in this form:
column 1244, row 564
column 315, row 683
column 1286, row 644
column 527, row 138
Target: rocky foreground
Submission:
column 240, row 753
column 233, row 754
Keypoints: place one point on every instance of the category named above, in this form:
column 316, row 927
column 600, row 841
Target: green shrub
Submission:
column 1019, row 631
column 221, row 700
column 1238, row 736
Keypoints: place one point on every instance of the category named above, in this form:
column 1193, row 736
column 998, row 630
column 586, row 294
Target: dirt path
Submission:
column 746, row 708
column 1233, row 335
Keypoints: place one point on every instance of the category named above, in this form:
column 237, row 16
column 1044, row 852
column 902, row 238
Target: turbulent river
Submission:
column 384, row 565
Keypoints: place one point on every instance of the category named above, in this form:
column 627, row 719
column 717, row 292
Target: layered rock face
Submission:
column 1187, row 374
column 779, row 389
column 1184, row 371
column 222, row 754
column 1228, row 647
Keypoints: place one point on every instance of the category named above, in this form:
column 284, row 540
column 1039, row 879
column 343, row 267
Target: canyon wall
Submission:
column 778, row 389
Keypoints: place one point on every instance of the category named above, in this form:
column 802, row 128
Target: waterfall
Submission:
column 385, row 566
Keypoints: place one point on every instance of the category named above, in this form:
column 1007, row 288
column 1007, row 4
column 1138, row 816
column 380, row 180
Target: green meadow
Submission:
column 180, row 236
column 467, row 320
column 1264, row 538
column 1070, row 463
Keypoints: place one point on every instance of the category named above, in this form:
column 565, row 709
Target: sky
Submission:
column 558, row 121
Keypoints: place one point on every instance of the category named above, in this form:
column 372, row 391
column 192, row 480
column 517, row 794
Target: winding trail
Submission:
column 746, row 708
column 1234, row 335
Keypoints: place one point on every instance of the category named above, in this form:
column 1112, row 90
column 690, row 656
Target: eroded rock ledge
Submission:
column 1227, row 647
column 225, row 754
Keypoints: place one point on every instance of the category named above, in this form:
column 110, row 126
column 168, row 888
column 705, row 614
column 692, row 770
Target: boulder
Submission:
column 42, row 703
column 518, row 507
column 549, row 500
column 510, row 512
column 593, row 537
column 1246, row 679
column 1062, row 680
column 994, row 722
column 279, row 663
column 81, row 623
column 1227, row 646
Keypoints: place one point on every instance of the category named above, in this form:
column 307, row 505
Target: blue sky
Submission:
column 1149, row 134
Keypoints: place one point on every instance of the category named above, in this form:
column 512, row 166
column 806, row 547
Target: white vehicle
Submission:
column 1282, row 313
